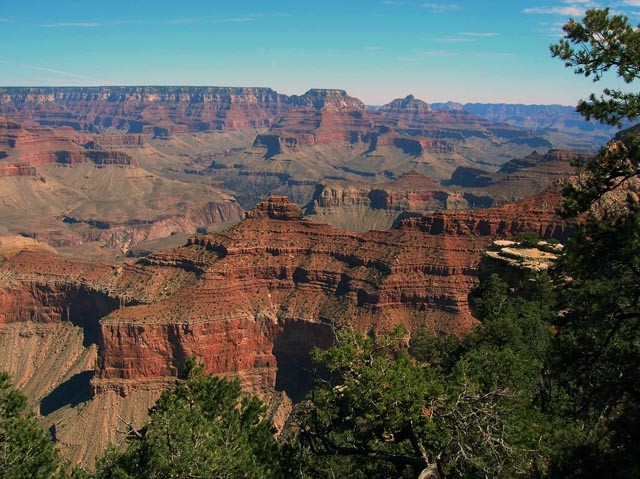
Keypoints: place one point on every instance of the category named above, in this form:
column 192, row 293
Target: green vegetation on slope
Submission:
column 26, row 450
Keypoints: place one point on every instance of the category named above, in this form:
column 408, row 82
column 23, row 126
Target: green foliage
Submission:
column 435, row 349
column 594, row 46
column 371, row 413
column 597, row 349
column 203, row 428
column 614, row 168
column 26, row 450
column 528, row 239
column 471, row 408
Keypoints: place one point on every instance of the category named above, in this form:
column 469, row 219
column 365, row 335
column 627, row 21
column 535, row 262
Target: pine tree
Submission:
column 203, row 428
column 26, row 450
column 598, row 345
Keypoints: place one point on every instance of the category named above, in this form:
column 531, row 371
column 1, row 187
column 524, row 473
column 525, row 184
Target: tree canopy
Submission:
column 592, row 47
column 203, row 428
column 26, row 450
column 449, row 407
column 597, row 351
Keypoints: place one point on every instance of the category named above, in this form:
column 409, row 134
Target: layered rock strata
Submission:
column 28, row 147
column 520, row 177
column 140, row 109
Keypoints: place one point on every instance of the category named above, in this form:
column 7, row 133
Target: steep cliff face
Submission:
column 535, row 214
column 131, row 109
column 276, row 270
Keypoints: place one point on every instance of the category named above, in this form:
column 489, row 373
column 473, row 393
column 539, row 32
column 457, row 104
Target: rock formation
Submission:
column 250, row 301
column 33, row 146
column 67, row 190
column 140, row 109
column 322, row 116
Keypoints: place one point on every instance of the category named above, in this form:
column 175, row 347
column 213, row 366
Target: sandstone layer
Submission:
column 140, row 109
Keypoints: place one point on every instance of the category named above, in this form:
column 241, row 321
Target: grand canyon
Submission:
column 404, row 256
column 143, row 226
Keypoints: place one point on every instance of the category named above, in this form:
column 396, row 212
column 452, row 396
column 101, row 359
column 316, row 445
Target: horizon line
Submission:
column 285, row 94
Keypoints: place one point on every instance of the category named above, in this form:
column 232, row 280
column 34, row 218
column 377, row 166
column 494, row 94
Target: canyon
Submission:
column 174, row 160
column 70, row 191
column 98, row 341
column 141, row 226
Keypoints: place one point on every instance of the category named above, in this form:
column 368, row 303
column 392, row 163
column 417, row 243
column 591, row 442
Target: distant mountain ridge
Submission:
column 205, row 108
column 535, row 117
column 256, row 141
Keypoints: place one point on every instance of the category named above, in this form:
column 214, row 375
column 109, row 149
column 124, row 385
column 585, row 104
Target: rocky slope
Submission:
column 363, row 206
column 360, row 206
column 69, row 190
column 521, row 177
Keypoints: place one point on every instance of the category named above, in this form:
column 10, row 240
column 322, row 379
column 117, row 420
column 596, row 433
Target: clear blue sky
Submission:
column 460, row 50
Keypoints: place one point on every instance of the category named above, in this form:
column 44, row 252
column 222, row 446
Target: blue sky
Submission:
column 377, row 50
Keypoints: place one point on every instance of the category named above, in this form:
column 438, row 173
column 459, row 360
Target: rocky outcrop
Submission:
column 275, row 272
column 106, row 141
column 322, row 116
column 341, row 204
column 535, row 214
column 17, row 169
column 413, row 117
column 122, row 236
column 28, row 147
column 276, row 208
column 406, row 110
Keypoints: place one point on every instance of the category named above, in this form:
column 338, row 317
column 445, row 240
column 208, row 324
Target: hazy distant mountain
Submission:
column 542, row 118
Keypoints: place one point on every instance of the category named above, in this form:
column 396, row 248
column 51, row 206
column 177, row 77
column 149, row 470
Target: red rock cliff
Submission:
column 269, row 275
column 132, row 109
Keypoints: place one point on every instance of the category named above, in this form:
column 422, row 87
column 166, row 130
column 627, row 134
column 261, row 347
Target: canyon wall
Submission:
column 132, row 109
